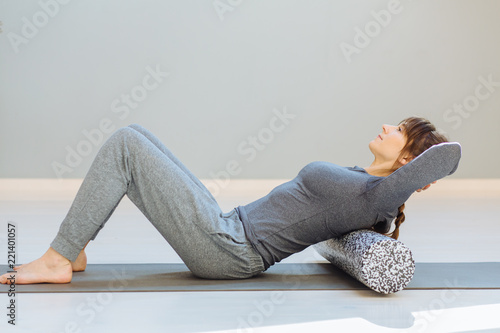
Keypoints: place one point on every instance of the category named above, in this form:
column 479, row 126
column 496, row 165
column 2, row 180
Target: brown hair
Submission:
column 420, row 135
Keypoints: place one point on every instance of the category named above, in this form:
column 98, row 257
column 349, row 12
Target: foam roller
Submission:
column 381, row 263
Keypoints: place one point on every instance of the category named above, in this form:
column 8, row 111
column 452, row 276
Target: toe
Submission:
column 3, row 279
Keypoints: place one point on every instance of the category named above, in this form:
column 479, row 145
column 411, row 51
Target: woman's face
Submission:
column 388, row 145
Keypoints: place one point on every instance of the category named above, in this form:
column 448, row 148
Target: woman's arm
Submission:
column 435, row 163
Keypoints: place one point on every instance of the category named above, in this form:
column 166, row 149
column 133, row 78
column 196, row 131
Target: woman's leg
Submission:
column 81, row 261
column 212, row 244
column 85, row 215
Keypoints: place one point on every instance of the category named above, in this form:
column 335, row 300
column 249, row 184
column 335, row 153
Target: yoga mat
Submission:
column 309, row 276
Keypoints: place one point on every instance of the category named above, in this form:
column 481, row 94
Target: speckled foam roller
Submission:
column 381, row 263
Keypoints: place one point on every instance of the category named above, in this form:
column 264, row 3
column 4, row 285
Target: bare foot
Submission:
column 80, row 263
column 52, row 267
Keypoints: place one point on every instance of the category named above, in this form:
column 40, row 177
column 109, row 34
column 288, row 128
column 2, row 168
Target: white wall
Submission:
column 64, row 69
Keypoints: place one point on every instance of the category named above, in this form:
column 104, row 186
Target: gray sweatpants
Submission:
column 134, row 162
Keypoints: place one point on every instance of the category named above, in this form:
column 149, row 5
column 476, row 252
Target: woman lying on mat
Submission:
column 324, row 201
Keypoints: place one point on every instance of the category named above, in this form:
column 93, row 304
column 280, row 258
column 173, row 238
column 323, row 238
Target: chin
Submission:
column 372, row 145
column 374, row 148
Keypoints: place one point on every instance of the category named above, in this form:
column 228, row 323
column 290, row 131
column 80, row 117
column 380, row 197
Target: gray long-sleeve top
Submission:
column 326, row 200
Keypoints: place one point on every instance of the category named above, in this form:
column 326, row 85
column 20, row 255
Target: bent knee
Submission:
column 126, row 134
column 136, row 127
column 123, row 132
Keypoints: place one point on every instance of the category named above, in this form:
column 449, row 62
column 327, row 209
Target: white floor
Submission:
column 454, row 221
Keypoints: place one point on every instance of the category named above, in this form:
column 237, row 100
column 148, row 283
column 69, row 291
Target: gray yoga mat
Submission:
column 310, row 276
